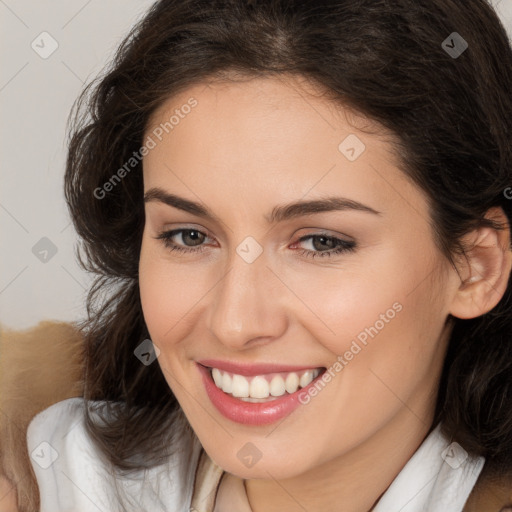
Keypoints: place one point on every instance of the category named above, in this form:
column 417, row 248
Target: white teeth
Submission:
column 277, row 387
column 227, row 383
column 292, row 382
column 306, row 378
column 258, row 388
column 240, row 386
column 258, row 400
column 217, row 377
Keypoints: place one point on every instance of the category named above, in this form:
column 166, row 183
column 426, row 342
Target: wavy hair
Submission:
column 452, row 118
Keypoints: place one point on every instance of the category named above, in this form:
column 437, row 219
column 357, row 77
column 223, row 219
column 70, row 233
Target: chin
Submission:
column 249, row 462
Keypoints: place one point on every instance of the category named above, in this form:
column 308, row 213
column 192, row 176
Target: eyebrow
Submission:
column 278, row 214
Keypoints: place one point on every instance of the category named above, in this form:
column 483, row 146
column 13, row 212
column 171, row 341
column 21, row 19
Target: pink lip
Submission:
column 249, row 413
column 250, row 370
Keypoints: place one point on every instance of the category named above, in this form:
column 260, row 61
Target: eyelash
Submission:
column 342, row 245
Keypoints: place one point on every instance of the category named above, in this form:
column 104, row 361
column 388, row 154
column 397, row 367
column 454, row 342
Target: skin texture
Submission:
column 244, row 149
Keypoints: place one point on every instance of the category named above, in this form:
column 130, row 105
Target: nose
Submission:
column 247, row 307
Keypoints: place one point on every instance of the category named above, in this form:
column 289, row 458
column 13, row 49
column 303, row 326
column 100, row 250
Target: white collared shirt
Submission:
column 73, row 476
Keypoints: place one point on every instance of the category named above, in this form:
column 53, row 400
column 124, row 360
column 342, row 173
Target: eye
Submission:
column 191, row 238
column 325, row 246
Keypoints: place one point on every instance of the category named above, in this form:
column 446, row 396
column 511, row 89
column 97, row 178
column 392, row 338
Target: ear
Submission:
column 485, row 270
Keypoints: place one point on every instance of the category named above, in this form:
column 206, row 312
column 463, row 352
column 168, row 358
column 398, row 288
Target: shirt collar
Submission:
column 438, row 477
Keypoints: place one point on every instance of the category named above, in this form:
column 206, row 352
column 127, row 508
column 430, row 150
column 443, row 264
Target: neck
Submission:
column 354, row 481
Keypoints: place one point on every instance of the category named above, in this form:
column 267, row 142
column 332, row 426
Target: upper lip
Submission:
column 252, row 369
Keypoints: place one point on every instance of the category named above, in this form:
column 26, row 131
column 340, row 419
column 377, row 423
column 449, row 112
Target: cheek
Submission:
column 170, row 294
column 339, row 303
column 167, row 296
column 384, row 310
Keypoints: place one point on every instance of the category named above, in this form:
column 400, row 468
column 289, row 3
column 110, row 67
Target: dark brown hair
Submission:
column 452, row 118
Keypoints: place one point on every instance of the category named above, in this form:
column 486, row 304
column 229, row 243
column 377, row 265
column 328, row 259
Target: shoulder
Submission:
column 73, row 474
column 56, row 419
column 59, row 427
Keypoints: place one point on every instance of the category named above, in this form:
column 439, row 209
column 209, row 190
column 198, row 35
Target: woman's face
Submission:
column 260, row 282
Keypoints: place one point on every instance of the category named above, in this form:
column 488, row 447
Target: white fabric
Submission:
column 430, row 482
column 80, row 480
column 427, row 483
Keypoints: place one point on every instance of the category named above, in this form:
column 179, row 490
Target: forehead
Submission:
column 280, row 97
column 271, row 137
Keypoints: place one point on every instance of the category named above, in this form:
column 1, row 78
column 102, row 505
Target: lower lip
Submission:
column 249, row 413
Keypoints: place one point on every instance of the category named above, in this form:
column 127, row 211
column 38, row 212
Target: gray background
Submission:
column 36, row 95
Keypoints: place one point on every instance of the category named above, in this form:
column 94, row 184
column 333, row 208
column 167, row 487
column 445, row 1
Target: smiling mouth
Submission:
column 251, row 394
column 265, row 387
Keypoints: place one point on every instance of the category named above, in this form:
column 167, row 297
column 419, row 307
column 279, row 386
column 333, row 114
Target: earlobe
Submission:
column 485, row 270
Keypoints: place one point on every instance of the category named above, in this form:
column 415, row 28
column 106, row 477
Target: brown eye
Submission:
column 190, row 238
column 192, row 235
column 325, row 245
